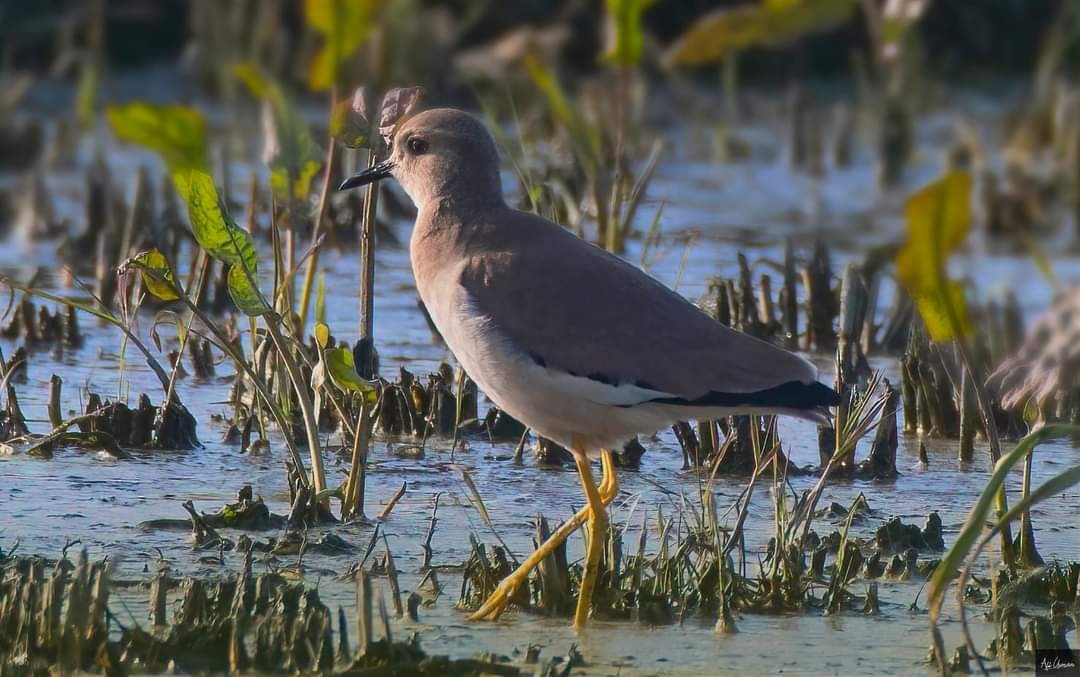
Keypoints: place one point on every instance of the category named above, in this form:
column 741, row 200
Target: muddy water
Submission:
column 750, row 206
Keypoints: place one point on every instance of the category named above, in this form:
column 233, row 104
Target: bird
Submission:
column 576, row 343
column 1045, row 370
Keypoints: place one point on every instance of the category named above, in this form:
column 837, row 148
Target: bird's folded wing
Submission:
column 573, row 308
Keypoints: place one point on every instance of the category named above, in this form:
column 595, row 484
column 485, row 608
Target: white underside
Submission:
column 573, row 411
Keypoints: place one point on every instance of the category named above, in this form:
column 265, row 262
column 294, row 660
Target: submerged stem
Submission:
column 354, row 485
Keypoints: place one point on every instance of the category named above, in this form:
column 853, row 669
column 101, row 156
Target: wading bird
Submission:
column 1045, row 371
column 576, row 343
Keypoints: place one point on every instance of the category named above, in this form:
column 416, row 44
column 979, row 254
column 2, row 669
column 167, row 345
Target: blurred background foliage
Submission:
column 962, row 38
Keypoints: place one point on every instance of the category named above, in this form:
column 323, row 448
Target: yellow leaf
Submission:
column 345, row 24
column 319, row 14
column 729, row 30
column 249, row 74
column 934, row 311
column 320, row 299
column 626, row 36
column 157, row 274
column 941, row 212
column 938, row 220
column 322, row 334
column 342, row 371
column 323, row 70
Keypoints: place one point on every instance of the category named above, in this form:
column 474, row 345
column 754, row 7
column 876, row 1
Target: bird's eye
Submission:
column 417, row 146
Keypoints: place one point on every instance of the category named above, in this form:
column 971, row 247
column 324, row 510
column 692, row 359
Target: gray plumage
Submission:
column 584, row 311
column 578, row 344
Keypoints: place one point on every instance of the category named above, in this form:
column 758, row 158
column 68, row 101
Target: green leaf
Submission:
column 244, row 293
column 176, row 133
column 626, row 36
column 157, row 274
column 279, row 180
column 298, row 156
column 1051, row 487
column 938, row 220
column 349, row 123
column 547, row 84
column 214, row 229
column 292, row 154
column 342, row 370
column 345, row 25
column 973, row 526
column 727, row 31
column 562, row 111
column 220, row 237
column 229, row 514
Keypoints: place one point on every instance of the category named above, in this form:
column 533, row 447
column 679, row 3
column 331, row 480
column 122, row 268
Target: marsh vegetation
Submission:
column 232, row 439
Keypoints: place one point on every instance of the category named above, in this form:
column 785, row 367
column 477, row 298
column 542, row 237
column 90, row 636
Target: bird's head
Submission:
column 441, row 154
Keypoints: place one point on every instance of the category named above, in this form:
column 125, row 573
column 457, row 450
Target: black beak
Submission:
column 369, row 175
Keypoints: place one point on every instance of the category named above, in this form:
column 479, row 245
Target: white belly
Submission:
column 567, row 409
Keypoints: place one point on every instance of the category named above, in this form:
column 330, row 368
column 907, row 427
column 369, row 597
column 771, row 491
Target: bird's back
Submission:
column 575, row 308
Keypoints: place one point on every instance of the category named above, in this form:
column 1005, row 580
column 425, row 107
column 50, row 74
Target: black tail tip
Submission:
column 822, row 395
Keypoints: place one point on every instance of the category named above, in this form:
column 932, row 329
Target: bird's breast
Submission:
column 481, row 350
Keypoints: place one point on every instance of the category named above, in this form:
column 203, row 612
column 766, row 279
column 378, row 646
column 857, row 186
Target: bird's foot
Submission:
column 498, row 600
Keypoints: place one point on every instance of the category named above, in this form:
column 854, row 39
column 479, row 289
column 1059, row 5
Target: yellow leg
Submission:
column 609, row 484
column 598, row 522
column 496, row 603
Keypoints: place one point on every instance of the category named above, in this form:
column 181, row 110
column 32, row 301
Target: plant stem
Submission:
column 263, row 391
column 306, row 406
column 459, row 387
column 1008, row 553
column 354, row 485
column 103, row 314
column 313, row 262
column 203, row 264
column 252, row 327
column 238, row 358
column 365, row 346
column 367, row 260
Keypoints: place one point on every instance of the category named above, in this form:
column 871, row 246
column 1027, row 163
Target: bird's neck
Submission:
column 436, row 238
column 446, row 230
column 463, row 203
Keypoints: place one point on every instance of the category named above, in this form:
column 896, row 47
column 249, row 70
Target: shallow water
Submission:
column 749, row 206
